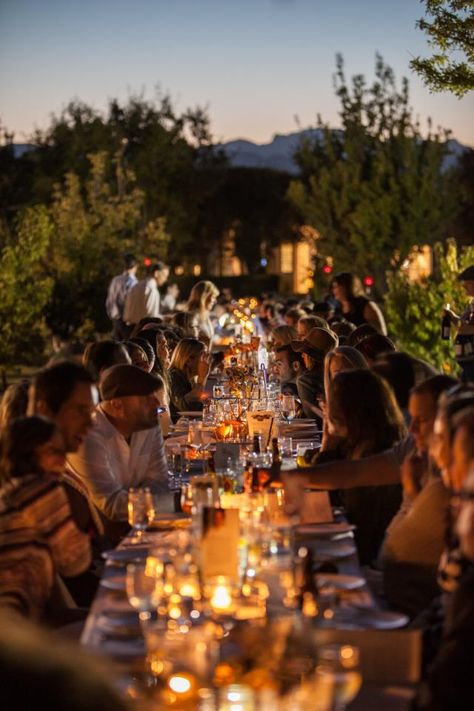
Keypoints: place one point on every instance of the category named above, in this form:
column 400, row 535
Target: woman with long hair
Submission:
column 354, row 305
column 189, row 370
column 364, row 419
column 200, row 303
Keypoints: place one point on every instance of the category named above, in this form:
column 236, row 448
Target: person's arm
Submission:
column 152, row 302
column 307, row 392
column 374, row 316
column 94, row 466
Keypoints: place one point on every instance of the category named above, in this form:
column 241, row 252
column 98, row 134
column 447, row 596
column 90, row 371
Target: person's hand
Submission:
column 204, row 367
column 294, row 491
column 413, row 470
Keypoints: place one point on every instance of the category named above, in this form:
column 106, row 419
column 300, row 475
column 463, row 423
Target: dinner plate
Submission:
column 189, row 413
column 324, row 530
column 113, row 582
column 340, row 582
column 368, row 618
column 125, row 555
column 333, row 549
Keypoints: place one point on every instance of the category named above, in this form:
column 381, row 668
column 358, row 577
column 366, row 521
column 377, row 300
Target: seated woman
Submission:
column 364, row 419
column 201, row 301
column 283, row 335
column 189, row 370
column 38, row 538
column 354, row 305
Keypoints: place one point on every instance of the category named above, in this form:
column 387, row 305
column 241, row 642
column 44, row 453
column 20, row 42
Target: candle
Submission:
column 221, row 600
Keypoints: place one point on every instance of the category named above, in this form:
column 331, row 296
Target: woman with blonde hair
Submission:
column 283, row 335
column 189, row 370
column 340, row 359
column 200, row 303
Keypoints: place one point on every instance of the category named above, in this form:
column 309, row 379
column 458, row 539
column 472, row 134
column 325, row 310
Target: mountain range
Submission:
column 278, row 154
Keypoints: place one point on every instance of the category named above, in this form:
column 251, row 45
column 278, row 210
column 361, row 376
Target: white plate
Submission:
column 113, row 582
column 333, row 549
column 341, row 582
column 124, row 555
column 358, row 618
column 324, row 529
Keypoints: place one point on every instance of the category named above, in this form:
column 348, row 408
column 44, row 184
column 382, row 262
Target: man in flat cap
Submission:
column 124, row 447
column 464, row 323
column 310, row 383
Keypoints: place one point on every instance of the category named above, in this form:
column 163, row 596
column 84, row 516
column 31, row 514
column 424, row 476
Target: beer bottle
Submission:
column 276, row 463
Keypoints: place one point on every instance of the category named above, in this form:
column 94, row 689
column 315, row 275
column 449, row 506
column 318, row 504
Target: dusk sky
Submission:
column 255, row 64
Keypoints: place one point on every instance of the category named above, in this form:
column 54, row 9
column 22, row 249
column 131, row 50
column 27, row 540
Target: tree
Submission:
column 375, row 186
column 25, row 287
column 413, row 310
column 451, row 34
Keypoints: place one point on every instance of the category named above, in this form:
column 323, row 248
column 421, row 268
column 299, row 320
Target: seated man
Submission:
column 288, row 365
column 310, row 382
column 124, row 447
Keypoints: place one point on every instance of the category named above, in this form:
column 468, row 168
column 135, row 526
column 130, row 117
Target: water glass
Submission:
column 337, row 678
column 288, row 408
column 141, row 511
column 286, row 444
column 144, row 585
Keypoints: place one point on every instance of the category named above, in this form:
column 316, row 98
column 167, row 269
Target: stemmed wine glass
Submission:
column 144, row 585
column 337, row 676
column 288, row 408
column 141, row 512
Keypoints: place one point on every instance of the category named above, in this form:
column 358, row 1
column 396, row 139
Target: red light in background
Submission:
column 369, row 281
column 147, row 261
column 327, row 269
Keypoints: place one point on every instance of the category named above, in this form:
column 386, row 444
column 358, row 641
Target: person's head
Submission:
column 467, row 279
column 363, row 411
column 137, row 355
column 31, row 445
column 322, row 309
column 65, row 393
column 451, row 403
column 130, row 397
column 374, row 346
column 343, row 330
column 14, row 402
column 423, row 405
column 146, row 339
column 462, row 452
column 186, row 356
column 282, row 335
column 159, row 271
column 173, row 290
column 315, row 346
column 100, row 355
column 203, row 296
column 293, row 315
column 346, row 286
column 307, row 323
column 188, row 322
column 399, row 371
column 340, row 359
column 130, row 263
column 359, row 333
column 288, row 363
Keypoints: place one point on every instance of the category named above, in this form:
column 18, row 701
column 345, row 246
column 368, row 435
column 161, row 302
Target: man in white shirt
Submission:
column 124, row 447
column 144, row 298
column 116, row 295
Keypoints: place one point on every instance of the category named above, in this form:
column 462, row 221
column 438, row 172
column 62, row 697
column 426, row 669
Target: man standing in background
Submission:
column 144, row 298
column 116, row 295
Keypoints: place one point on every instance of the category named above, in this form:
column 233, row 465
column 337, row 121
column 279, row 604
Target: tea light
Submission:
column 221, row 599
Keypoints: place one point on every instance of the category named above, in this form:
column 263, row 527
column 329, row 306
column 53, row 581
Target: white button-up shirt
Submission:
column 142, row 300
column 108, row 465
column 117, row 293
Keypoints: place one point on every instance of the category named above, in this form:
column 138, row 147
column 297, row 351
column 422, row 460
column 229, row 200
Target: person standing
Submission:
column 116, row 295
column 143, row 299
column 354, row 306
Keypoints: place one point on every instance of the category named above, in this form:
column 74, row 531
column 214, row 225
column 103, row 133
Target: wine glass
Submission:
column 141, row 512
column 288, row 408
column 144, row 585
column 337, row 677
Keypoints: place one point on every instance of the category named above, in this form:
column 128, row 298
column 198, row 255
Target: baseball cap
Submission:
column 127, row 380
column 317, row 343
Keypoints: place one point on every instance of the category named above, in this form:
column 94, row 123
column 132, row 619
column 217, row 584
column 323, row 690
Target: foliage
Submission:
column 451, row 34
column 25, row 287
column 414, row 310
column 375, row 186
column 94, row 224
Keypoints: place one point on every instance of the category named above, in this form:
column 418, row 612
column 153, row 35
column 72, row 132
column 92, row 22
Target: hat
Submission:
column 467, row 274
column 126, row 380
column 317, row 343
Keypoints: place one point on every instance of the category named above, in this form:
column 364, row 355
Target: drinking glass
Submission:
column 288, row 408
column 286, row 444
column 186, row 498
column 140, row 512
column 337, row 678
column 304, row 453
column 144, row 585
